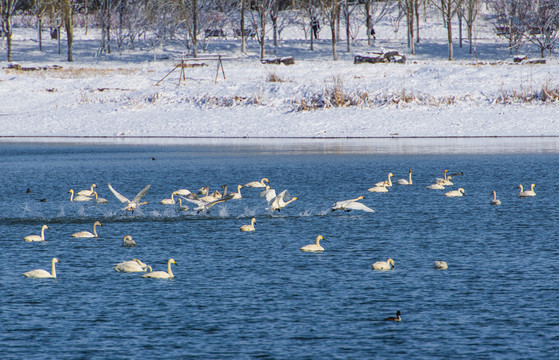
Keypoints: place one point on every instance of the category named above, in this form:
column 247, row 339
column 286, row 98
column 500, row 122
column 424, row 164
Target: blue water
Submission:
column 255, row 295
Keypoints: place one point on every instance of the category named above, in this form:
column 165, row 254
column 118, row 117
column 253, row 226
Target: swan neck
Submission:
column 169, row 269
column 53, row 269
column 409, row 178
column 43, row 233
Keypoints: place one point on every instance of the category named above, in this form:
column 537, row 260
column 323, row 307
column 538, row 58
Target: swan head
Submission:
column 410, row 171
column 360, row 197
column 318, row 238
column 391, row 262
column 55, row 260
column 71, row 191
column 294, row 198
column 390, row 175
column 93, row 186
column 172, row 261
column 97, row 223
column 462, row 191
column 45, row 227
column 265, row 180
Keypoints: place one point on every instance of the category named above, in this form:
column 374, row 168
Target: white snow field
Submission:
column 116, row 95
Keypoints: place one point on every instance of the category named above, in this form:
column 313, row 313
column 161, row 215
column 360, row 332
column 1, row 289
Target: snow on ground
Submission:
column 116, row 95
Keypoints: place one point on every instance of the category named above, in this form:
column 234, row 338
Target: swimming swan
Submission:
column 527, row 193
column 181, row 206
column 394, row 318
column 42, row 274
column 237, row 195
column 440, row 265
column 249, row 227
column 170, row 201
column 182, row 192
column 135, row 203
column 282, row 200
column 41, row 237
column 384, row 265
column 134, row 265
column 128, row 242
column 99, row 200
column 388, row 182
column 87, row 192
column 404, row 181
column 314, row 247
column 447, row 182
column 379, row 188
column 257, row 184
column 162, row 274
column 436, row 186
column 455, row 193
column 78, row 197
column 351, row 204
column 87, row 234
column 495, row 201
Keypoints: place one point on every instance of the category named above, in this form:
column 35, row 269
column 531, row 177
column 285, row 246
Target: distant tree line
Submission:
column 196, row 22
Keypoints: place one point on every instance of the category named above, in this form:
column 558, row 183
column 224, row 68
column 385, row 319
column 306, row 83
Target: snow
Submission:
column 116, row 95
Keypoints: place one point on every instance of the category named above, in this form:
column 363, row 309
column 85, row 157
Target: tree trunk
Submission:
column 195, row 28
column 67, row 4
column 449, row 32
column 262, row 34
column 333, row 19
column 368, row 22
column 416, row 8
column 347, row 32
column 40, row 26
column 243, row 35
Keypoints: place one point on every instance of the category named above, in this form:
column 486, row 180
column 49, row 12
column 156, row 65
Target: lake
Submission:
column 244, row 295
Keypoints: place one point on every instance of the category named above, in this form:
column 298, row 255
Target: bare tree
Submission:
column 408, row 6
column 449, row 9
column 374, row 11
column 67, row 17
column 7, row 10
column 543, row 24
column 510, row 22
column 348, row 7
column 259, row 20
column 470, row 15
column 330, row 9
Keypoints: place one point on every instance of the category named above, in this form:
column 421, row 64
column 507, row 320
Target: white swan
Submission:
column 162, row 274
column 388, row 182
column 436, row 186
column 87, row 192
column 249, row 227
column 268, row 194
column 42, row 274
column 87, row 234
column 181, row 206
column 448, row 181
column 78, row 197
column 237, row 195
column 182, row 192
column 134, row 265
column 135, row 203
column 379, row 188
column 128, row 242
column 495, row 201
column 384, row 265
column 204, row 206
column 204, row 190
column 41, row 237
column 314, row 247
column 99, row 200
column 170, row 201
column 351, row 204
column 404, row 181
column 211, row 197
column 257, row 184
column 282, row 200
column 440, row 265
column 455, row 193
column 527, row 193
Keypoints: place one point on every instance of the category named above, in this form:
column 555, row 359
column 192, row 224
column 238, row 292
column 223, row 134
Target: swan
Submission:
column 436, row 186
column 404, row 181
column 237, row 195
column 87, row 234
column 282, row 200
column 182, row 192
column 379, row 188
column 314, row 247
column 78, row 197
column 455, row 193
column 134, row 204
column 447, row 182
column 440, row 265
column 495, row 201
column 170, row 201
column 162, row 274
column 388, row 182
column 211, row 197
column 257, row 184
column 351, row 204
column 204, row 206
column 41, row 237
column 87, row 192
column 204, row 190
column 394, row 318
column 133, row 265
column 526, row 193
column 249, row 227
column 99, row 200
column 268, row 194
column 128, row 242
column 443, row 178
column 384, row 265
column 181, row 206
column 42, row 274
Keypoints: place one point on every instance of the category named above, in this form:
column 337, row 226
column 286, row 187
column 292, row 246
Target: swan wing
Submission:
column 119, row 196
column 141, row 193
column 358, row 206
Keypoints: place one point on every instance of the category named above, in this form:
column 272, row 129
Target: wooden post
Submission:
column 219, row 64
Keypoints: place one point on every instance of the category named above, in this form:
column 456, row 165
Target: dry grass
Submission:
column 71, row 72
column 547, row 94
column 273, row 77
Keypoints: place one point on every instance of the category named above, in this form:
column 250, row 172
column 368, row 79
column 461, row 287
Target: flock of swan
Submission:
column 204, row 201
